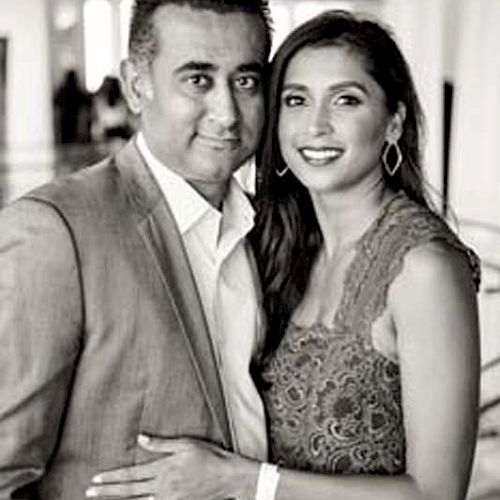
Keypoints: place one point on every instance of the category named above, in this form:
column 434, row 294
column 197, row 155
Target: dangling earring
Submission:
column 388, row 145
column 281, row 173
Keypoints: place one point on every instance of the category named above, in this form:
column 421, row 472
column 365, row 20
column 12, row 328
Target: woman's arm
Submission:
column 435, row 312
column 433, row 306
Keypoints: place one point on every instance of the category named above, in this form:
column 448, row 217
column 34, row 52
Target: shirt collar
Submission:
column 187, row 205
column 190, row 208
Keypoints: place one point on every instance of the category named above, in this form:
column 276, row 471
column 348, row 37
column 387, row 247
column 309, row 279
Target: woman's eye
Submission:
column 292, row 101
column 347, row 100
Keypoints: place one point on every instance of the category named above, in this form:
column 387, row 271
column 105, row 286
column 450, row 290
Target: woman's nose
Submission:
column 320, row 121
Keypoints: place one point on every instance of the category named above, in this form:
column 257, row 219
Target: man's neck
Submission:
column 213, row 192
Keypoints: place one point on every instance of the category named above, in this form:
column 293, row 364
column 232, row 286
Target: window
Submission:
column 98, row 42
column 287, row 15
column 125, row 15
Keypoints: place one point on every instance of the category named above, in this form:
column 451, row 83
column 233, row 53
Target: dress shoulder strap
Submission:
column 401, row 226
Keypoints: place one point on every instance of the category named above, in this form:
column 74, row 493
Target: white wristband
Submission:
column 267, row 482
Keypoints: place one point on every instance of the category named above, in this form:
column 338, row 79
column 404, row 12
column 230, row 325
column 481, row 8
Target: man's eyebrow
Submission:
column 253, row 67
column 196, row 66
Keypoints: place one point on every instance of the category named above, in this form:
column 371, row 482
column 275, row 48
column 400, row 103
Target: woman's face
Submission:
column 333, row 120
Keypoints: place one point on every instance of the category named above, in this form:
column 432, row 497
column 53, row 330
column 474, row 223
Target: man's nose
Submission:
column 223, row 107
column 320, row 120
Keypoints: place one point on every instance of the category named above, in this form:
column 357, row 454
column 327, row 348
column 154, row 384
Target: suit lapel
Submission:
column 159, row 231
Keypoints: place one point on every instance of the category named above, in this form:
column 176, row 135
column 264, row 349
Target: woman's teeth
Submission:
column 323, row 155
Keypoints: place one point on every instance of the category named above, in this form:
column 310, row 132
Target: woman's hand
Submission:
column 188, row 469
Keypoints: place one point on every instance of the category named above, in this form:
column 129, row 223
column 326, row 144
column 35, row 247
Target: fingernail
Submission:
column 97, row 479
column 91, row 492
column 143, row 439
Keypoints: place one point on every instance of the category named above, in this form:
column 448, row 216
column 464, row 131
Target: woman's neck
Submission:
column 344, row 217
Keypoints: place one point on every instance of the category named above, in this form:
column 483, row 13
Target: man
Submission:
column 128, row 301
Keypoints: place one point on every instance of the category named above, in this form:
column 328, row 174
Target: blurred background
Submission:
column 61, row 109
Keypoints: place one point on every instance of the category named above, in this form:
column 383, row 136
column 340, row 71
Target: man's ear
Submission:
column 396, row 124
column 136, row 86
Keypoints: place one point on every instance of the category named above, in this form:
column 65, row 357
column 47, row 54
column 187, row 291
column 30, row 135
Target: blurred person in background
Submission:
column 73, row 111
column 111, row 114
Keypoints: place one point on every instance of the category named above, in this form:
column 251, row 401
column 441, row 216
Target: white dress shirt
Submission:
column 219, row 256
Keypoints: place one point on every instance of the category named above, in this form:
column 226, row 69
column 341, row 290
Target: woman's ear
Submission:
column 136, row 85
column 396, row 124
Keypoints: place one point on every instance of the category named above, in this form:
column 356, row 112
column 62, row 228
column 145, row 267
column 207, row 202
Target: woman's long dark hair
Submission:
column 287, row 236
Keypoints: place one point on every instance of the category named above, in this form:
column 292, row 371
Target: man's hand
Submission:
column 189, row 469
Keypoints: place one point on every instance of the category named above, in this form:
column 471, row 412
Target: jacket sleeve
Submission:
column 40, row 325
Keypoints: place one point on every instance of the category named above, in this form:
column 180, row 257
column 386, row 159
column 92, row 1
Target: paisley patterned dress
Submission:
column 333, row 400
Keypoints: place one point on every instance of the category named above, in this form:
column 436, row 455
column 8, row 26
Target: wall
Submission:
column 29, row 111
column 418, row 26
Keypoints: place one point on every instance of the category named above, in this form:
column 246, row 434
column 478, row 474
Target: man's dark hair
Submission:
column 143, row 40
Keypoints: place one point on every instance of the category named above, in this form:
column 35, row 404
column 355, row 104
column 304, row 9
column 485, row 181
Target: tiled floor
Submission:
column 485, row 485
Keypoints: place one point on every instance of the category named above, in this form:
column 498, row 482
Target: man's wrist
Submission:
column 242, row 475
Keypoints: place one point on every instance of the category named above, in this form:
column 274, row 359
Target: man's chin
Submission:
column 216, row 167
column 221, row 145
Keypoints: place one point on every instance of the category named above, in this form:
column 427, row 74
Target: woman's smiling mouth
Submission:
column 320, row 156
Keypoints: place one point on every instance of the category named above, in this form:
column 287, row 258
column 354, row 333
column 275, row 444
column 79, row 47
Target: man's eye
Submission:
column 291, row 100
column 200, row 81
column 247, row 83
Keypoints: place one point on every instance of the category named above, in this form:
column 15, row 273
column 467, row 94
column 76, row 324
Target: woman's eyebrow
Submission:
column 332, row 88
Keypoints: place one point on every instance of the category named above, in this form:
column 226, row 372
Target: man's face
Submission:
column 203, row 112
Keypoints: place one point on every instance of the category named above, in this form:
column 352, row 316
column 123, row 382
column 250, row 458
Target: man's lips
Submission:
column 320, row 155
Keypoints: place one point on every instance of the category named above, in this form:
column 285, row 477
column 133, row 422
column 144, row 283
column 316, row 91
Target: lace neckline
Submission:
column 358, row 246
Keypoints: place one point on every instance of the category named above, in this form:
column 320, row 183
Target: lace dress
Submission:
column 334, row 401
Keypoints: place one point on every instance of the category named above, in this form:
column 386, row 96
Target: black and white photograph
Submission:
column 249, row 250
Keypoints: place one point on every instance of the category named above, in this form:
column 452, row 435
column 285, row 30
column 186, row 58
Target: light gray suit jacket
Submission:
column 102, row 334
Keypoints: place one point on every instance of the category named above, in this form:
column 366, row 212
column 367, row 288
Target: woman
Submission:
column 370, row 373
